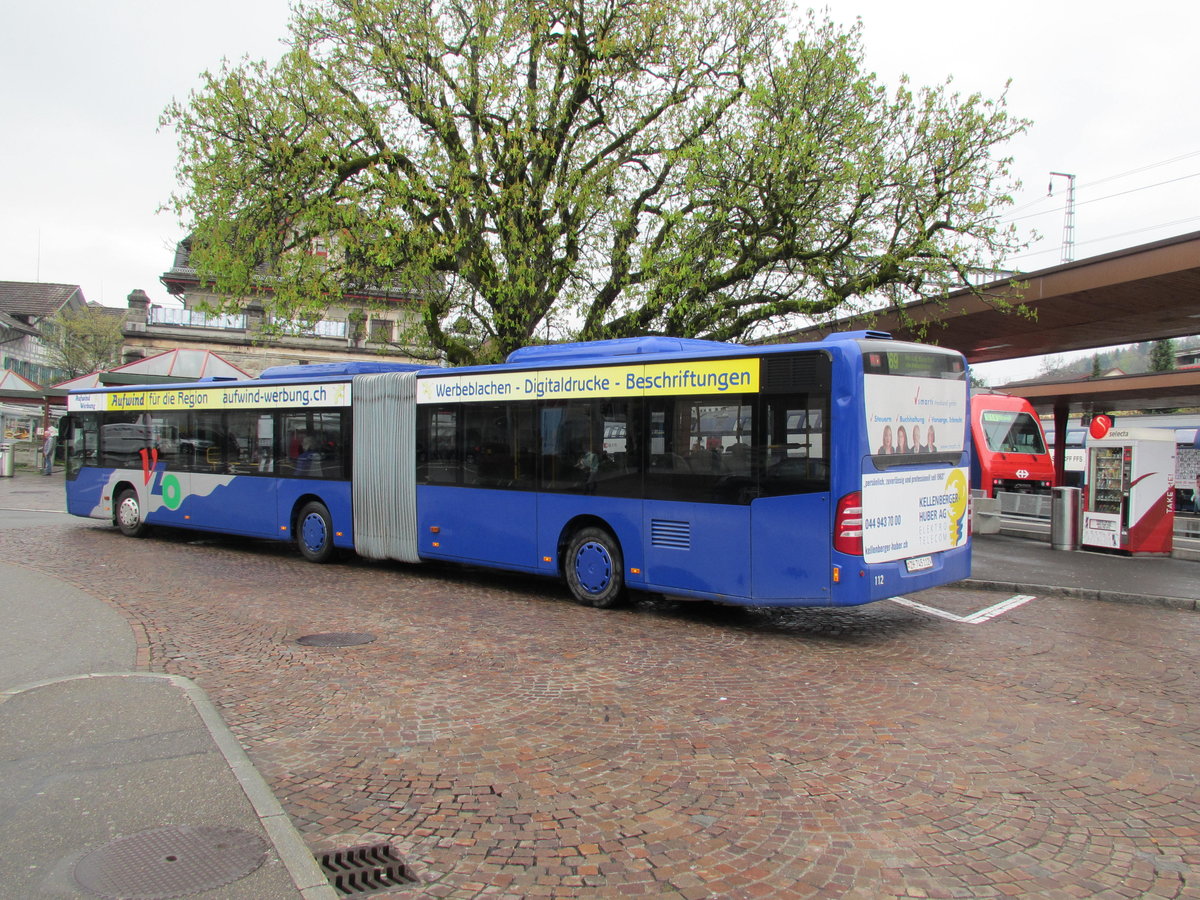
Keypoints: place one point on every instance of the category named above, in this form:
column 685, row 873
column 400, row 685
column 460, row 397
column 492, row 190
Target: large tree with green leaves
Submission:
column 83, row 340
column 586, row 169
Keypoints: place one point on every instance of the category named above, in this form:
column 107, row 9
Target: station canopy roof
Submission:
column 172, row 365
column 1144, row 293
column 18, row 388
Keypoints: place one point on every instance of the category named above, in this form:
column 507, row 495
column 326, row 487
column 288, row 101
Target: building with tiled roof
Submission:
column 366, row 324
column 32, row 300
column 23, row 307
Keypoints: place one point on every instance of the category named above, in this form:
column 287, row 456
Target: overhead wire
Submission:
column 1011, row 219
column 1109, row 196
column 1110, row 237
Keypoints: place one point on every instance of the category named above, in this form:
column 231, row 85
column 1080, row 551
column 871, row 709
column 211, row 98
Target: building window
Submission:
column 382, row 331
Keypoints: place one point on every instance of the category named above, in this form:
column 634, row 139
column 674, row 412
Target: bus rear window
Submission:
column 1011, row 432
column 916, row 404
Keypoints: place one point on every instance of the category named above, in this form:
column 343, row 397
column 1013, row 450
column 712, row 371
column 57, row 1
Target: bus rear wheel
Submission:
column 595, row 569
column 128, row 514
column 314, row 532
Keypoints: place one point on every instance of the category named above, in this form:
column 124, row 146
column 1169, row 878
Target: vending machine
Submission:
column 1130, row 503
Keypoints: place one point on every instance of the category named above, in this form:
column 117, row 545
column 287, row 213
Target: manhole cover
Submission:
column 336, row 639
column 170, row 862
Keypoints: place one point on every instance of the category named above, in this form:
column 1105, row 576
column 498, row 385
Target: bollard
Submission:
column 1065, row 518
column 985, row 513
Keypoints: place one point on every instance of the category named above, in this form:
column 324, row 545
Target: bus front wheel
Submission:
column 314, row 532
column 595, row 569
column 129, row 515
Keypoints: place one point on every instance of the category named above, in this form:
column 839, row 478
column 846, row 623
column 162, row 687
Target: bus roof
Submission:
column 337, row 369
column 551, row 355
column 596, row 352
column 590, row 351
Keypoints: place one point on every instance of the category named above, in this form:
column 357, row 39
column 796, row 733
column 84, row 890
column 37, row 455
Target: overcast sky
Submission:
column 85, row 166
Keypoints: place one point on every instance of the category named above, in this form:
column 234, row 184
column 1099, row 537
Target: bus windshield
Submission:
column 1011, row 432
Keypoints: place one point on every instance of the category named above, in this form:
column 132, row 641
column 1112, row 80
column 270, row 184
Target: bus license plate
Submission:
column 917, row 563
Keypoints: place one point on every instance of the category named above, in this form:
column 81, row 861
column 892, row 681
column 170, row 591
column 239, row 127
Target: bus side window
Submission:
column 500, row 444
column 586, row 447
column 439, row 455
column 570, row 450
column 250, row 451
column 701, row 450
column 794, row 458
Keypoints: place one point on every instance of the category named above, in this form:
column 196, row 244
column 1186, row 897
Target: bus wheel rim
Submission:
column 593, row 566
column 313, row 533
column 128, row 514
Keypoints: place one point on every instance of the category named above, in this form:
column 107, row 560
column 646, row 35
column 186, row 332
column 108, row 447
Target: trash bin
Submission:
column 6, row 460
column 1065, row 518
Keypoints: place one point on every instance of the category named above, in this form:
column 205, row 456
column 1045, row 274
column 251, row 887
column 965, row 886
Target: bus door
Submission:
column 791, row 519
column 699, row 487
column 476, row 474
column 243, row 447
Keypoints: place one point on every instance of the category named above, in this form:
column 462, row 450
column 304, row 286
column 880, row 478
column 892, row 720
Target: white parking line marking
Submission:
column 984, row 615
column 1000, row 608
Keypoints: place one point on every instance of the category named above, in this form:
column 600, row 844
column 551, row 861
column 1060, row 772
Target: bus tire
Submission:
column 595, row 569
column 314, row 532
column 127, row 515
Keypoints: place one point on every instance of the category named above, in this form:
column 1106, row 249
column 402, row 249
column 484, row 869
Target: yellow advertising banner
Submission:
column 231, row 395
column 718, row 376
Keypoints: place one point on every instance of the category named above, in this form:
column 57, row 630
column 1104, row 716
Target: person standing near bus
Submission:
column 48, row 449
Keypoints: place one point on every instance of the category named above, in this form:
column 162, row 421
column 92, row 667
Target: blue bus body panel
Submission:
column 239, row 505
column 251, row 506
column 257, row 506
column 292, row 493
column 698, row 549
column 622, row 515
column 155, row 507
column 86, row 493
column 225, row 503
column 879, row 581
column 792, row 548
column 491, row 527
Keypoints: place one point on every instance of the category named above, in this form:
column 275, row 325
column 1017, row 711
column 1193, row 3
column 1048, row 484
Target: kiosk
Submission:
column 1130, row 503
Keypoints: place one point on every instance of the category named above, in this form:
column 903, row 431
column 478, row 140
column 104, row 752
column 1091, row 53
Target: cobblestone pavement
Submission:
column 509, row 743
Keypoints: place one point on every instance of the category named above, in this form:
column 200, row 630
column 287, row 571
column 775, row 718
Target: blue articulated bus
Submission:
column 830, row 473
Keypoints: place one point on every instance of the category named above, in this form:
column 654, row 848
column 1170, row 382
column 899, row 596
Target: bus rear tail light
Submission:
column 848, row 525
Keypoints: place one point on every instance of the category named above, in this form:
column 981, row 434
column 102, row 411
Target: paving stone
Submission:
column 509, row 743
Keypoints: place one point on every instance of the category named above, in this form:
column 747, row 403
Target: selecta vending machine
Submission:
column 1130, row 503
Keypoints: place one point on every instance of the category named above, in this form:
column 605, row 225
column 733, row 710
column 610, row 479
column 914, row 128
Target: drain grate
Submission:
column 364, row 870
column 170, row 862
column 336, row 639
